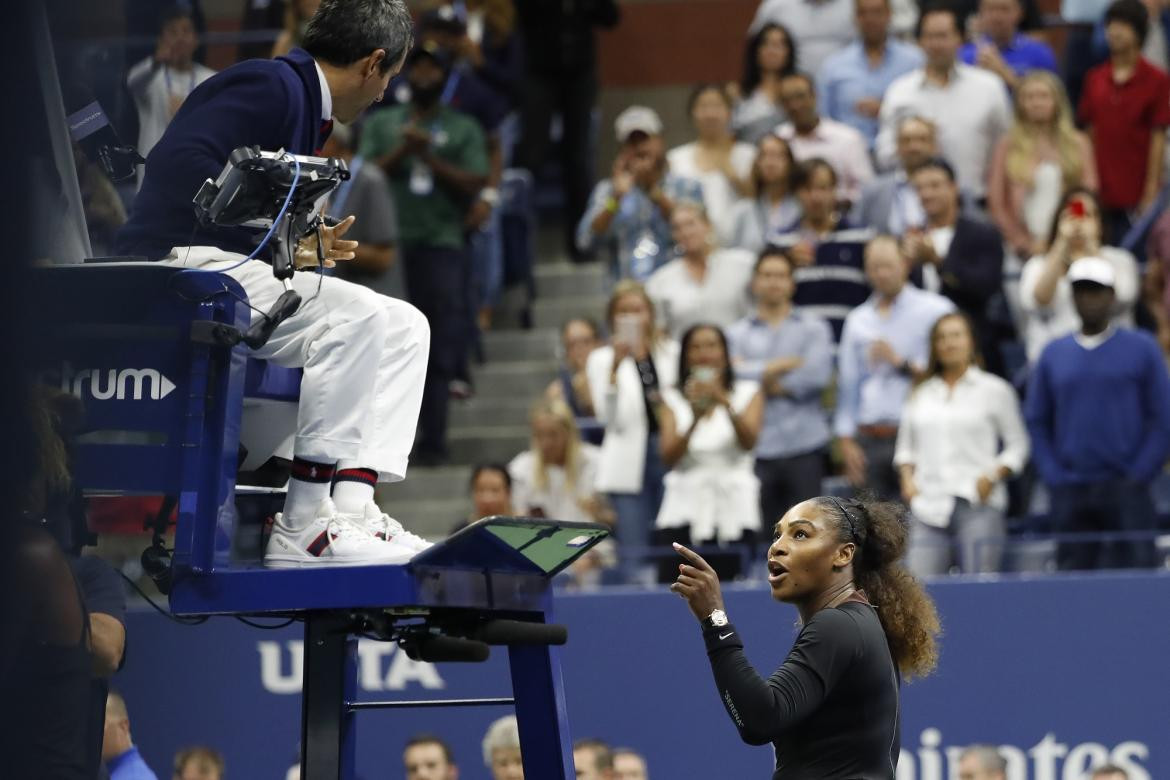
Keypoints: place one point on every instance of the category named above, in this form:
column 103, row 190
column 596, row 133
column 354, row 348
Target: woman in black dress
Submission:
column 831, row 709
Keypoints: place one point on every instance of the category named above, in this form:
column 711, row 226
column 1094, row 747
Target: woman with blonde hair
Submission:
column 627, row 379
column 1040, row 158
column 556, row 476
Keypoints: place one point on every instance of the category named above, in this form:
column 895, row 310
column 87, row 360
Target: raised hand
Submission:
column 697, row 583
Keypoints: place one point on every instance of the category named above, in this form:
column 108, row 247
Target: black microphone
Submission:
column 91, row 129
column 520, row 632
column 438, row 648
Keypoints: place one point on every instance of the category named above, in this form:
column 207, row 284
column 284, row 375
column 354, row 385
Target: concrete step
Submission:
column 523, row 380
column 506, row 345
column 493, row 411
column 423, row 483
column 552, row 312
column 569, row 280
column 486, row 443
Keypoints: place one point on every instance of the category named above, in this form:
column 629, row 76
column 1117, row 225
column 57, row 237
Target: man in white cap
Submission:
column 630, row 211
column 1098, row 409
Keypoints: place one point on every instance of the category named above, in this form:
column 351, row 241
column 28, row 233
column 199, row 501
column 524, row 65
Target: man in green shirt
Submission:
column 436, row 160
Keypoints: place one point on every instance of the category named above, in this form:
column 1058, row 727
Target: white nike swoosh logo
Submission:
column 724, row 636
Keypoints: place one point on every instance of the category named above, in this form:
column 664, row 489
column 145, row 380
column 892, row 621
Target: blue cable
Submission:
column 268, row 235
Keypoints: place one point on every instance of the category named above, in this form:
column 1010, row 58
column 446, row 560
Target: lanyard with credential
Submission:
column 342, row 195
column 450, row 87
column 167, row 79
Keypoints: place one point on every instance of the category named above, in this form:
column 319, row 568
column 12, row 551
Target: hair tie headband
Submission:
column 848, row 518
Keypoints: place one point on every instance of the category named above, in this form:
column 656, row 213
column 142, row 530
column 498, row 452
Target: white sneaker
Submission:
column 331, row 539
column 384, row 526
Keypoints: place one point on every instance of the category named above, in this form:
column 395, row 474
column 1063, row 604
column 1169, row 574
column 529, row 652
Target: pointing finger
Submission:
column 693, row 557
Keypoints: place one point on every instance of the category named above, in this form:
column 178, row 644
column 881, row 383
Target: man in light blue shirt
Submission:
column 790, row 353
column 630, row 211
column 852, row 81
column 886, row 342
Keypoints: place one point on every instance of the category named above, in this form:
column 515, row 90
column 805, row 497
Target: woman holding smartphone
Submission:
column 1045, row 292
column 627, row 379
column 709, row 429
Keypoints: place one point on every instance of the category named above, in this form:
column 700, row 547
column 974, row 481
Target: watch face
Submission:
column 718, row 618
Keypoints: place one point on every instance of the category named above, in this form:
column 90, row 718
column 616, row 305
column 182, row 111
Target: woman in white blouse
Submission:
column 702, row 284
column 773, row 205
column 722, row 165
column 1045, row 292
column 627, row 379
column 950, row 458
column 556, row 476
column 709, row 430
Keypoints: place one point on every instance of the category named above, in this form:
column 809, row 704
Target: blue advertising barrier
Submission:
column 1063, row 672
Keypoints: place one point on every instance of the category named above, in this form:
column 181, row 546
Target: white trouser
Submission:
column 364, row 358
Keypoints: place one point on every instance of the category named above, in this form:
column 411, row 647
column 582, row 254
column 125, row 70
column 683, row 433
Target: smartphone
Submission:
column 1076, row 209
column 627, row 329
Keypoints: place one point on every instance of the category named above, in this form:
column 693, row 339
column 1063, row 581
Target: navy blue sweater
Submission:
column 273, row 104
column 1100, row 414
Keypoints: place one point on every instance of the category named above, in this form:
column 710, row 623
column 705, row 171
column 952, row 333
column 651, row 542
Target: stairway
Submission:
column 493, row 425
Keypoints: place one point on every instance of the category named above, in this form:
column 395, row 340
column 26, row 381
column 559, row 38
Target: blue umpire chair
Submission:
column 148, row 348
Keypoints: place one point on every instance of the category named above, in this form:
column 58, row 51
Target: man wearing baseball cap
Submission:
column 1098, row 409
column 630, row 211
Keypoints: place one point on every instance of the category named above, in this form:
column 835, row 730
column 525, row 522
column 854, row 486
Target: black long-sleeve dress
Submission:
column 830, row 710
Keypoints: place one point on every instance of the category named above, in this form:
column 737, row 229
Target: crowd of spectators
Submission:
column 883, row 283
column 883, row 248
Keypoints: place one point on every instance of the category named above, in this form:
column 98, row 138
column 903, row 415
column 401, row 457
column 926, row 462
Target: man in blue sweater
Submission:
column 1098, row 409
column 364, row 355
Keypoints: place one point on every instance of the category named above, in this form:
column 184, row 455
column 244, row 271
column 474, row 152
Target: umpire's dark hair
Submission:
column 944, row 7
column 344, row 31
column 1133, row 13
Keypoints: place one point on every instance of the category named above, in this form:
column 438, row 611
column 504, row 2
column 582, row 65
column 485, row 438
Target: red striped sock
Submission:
column 353, row 488
column 308, row 487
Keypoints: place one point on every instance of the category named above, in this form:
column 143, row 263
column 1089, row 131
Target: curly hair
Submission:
column 907, row 614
